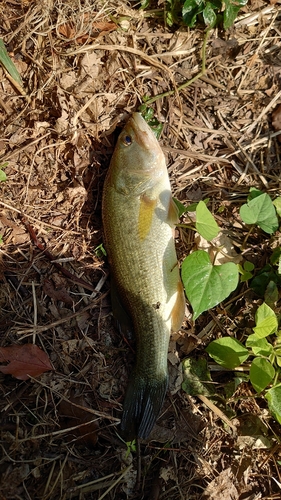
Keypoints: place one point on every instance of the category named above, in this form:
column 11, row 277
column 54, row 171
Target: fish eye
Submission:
column 127, row 140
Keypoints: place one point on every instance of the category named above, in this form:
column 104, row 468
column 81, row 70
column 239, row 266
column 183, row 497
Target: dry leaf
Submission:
column 98, row 28
column 59, row 294
column 67, row 30
column 276, row 120
column 74, row 413
column 222, row 487
column 220, row 249
column 24, row 361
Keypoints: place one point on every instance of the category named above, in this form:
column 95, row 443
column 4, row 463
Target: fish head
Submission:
column 138, row 162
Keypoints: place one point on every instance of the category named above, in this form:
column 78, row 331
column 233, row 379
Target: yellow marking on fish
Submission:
column 146, row 211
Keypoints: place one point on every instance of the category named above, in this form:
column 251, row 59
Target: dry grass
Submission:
column 82, row 76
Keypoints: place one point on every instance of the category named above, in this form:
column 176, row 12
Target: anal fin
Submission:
column 121, row 316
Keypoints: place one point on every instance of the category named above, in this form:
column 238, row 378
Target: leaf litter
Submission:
column 85, row 66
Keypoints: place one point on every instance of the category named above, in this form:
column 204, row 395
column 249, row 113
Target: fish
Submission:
column 139, row 218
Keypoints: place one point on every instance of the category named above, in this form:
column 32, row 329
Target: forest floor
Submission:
column 86, row 65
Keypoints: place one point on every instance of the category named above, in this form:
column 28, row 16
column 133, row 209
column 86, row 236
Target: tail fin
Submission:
column 142, row 405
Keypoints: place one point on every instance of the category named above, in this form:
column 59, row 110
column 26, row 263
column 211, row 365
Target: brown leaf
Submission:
column 67, row 30
column 222, row 487
column 276, row 120
column 74, row 413
column 99, row 28
column 24, row 361
column 57, row 293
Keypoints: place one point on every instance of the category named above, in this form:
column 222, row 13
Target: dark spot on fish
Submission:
column 157, row 305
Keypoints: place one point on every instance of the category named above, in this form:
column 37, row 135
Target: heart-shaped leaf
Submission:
column 259, row 346
column 261, row 373
column 260, row 211
column 277, row 204
column 273, row 397
column 266, row 321
column 24, row 361
column 207, row 285
column 205, row 222
column 228, row 352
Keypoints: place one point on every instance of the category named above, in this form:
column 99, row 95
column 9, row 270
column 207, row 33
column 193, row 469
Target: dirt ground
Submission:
column 85, row 66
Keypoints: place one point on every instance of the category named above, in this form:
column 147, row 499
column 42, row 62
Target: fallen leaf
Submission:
column 67, row 30
column 24, row 361
column 276, row 120
column 73, row 413
column 226, row 48
column 220, row 249
column 97, row 28
column 222, row 487
column 57, row 293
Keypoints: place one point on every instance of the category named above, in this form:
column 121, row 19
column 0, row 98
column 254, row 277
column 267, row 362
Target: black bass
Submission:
column 139, row 218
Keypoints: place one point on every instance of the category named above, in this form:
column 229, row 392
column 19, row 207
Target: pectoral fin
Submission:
column 178, row 310
column 122, row 318
column 173, row 213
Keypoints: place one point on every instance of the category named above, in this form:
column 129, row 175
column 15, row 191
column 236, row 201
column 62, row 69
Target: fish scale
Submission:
column 138, row 221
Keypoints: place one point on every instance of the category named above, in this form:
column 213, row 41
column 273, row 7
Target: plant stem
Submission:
column 189, row 82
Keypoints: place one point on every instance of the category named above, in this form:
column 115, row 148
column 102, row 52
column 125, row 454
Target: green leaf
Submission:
column 207, row 285
column 253, row 193
column 3, row 176
column 260, row 211
column 181, row 208
column 266, row 321
column 278, row 360
column 146, row 111
column 228, row 352
column 271, row 294
column 190, row 10
column 245, row 271
column 192, row 207
column 277, row 204
column 260, row 347
column 8, row 64
column 148, row 114
column 273, row 397
column 196, row 377
column 144, row 4
column 260, row 281
column 100, row 251
column 249, row 266
column 231, row 10
column 209, row 15
column 205, row 222
column 275, row 257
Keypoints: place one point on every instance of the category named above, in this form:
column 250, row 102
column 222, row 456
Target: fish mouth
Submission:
column 139, row 122
column 143, row 133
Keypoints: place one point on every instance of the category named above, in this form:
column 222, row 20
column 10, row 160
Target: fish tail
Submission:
column 142, row 405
